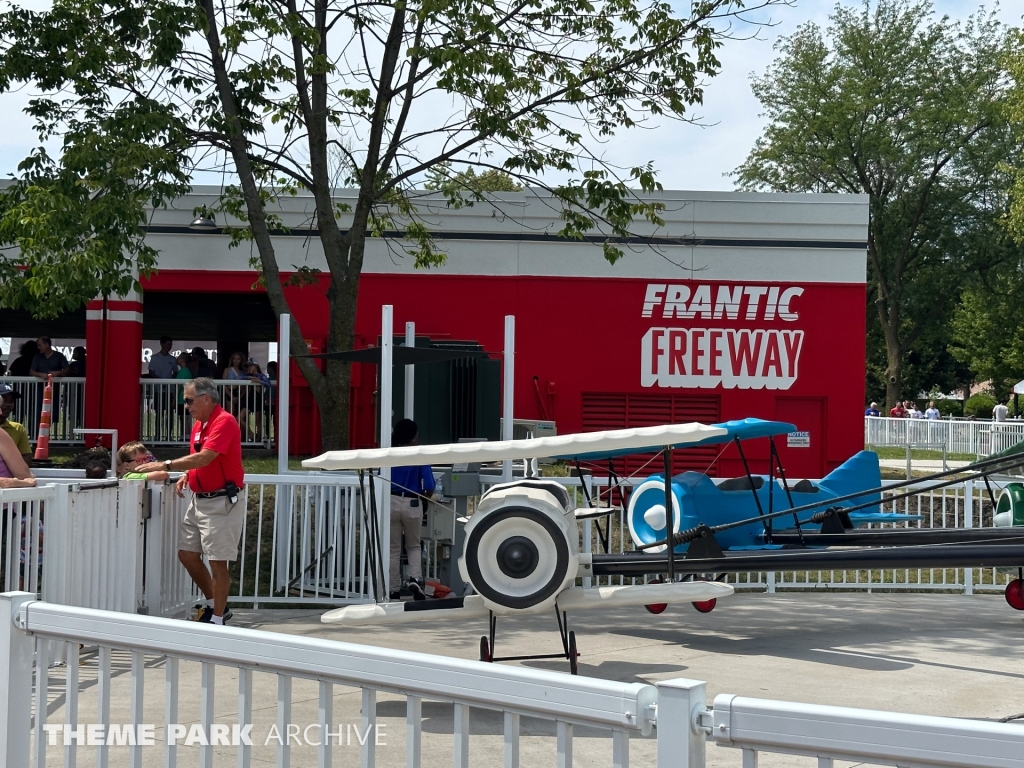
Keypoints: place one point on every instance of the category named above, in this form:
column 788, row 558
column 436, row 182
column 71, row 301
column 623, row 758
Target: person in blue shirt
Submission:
column 872, row 410
column 411, row 488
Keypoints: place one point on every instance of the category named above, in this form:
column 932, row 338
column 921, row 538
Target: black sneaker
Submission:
column 206, row 616
column 417, row 590
column 395, row 596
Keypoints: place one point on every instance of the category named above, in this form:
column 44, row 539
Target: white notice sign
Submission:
column 798, row 440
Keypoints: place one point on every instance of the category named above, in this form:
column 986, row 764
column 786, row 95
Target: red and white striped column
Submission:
column 113, row 338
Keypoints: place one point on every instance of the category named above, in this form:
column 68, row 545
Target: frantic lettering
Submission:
column 722, row 302
column 703, row 358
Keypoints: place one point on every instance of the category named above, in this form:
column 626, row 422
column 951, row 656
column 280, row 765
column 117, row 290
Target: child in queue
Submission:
column 133, row 454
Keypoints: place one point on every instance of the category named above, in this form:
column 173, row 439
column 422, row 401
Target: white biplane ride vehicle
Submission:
column 522, row 555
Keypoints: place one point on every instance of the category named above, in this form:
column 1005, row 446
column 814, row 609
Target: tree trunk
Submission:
column 889, row 317
column 334, row 410
column 893, row 377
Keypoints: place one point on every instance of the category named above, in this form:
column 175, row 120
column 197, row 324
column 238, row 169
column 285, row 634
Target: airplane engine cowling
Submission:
column 1010, row 507
column 647, row 518
column 522, row 547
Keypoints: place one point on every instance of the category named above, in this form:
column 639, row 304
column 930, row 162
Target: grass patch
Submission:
column 896, row 452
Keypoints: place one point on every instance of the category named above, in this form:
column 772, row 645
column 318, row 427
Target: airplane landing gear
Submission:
column 656, row 608
column 573, row 654
column 1014, row 594
column 569, row 649
column 706, row 606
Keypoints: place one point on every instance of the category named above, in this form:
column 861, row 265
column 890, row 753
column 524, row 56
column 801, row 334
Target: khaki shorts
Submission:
column 213, row 527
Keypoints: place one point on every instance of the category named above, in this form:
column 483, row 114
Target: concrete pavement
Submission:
column 949, row 655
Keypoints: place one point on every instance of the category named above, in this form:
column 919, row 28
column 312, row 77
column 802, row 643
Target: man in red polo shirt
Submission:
column 212, row 525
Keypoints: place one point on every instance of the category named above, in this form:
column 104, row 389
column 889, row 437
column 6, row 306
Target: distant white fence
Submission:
column 164, row 420
column 34, row 633
column 68, row 406
column 977, row 438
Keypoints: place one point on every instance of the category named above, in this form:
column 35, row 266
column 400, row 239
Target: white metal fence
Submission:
column 304, row 542
column 194, row 658
column 109, row 545
column 976, row 438
column 164, row 420
column 68, row 408
column 307, row 540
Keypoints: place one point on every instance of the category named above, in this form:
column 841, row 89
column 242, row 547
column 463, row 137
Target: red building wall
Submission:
column 621, row 352
column 589, row 341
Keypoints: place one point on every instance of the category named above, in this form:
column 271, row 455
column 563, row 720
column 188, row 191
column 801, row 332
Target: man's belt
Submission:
column 214, row 494
column 407, row 495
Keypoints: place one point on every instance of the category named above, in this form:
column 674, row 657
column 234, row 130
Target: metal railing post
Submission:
column 284, row 370
column 968, row 523
column 16, row 650
column 681, row 739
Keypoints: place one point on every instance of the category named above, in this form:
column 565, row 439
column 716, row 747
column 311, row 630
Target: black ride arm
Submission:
column 901, row 537
column 852, row 558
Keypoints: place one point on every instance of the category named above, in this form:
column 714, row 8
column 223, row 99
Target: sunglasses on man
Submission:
column 190, row 400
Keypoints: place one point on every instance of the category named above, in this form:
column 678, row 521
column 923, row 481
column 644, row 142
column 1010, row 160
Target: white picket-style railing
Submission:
column 68, row 407
column 47, row 632
column 97, row 544
column 860, row 735
column 164, row 420
column 48, row 650
column 976, row 438
column 109, row 544
column 303, row 540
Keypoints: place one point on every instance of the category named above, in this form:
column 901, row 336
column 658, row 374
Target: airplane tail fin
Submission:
column 858, row 473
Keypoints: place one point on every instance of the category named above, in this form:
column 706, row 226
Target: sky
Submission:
column 688, row 157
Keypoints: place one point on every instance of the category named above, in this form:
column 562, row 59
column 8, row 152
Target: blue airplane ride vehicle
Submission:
column 697, row 499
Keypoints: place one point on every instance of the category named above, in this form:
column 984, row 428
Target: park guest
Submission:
column 411, row 487
column 17, row 431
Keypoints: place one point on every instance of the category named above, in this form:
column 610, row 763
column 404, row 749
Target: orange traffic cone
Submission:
column 43, row 443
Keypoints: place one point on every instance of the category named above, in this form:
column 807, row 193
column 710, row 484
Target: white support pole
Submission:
column 680, row 743
column 16, row 651
column 410, row 373
column 284, row 367
column 509, row 390
column 969, row 523
column 387, row 340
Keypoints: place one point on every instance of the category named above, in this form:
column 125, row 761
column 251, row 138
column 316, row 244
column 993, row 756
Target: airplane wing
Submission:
column 572, row 599
column 589, row 444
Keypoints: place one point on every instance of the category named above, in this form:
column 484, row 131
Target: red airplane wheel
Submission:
column 706, row 606
column 1015, row 594
column 485, row 650
column 656, row 608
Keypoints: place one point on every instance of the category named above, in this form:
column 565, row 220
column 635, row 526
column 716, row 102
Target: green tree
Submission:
column 310, row 96
column 469, row 183
column 988, row 328
column 1015, row 114
column 905, row 108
